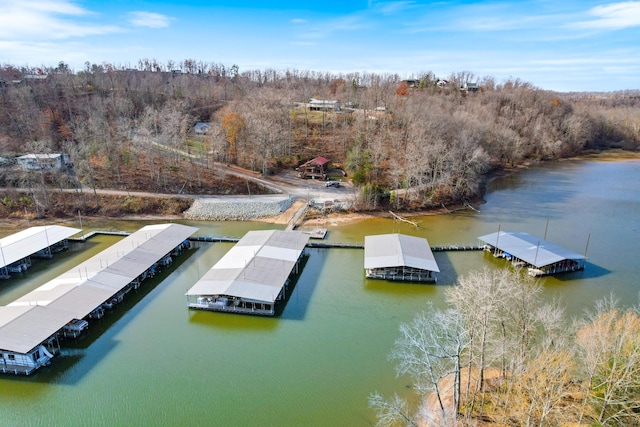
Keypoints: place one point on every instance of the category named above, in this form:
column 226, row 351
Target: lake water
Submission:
column 153, row 361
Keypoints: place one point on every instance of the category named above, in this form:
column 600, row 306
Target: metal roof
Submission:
column 41, row 156
column 23, row 328
column 256, row 268
column 76, row 293
column 528, row 248
column 398, row 250
column 27, row 242
column 316, row 161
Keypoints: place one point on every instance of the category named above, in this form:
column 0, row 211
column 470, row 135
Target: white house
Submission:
column 323, row 104
column 45, row 162
column 201, row 128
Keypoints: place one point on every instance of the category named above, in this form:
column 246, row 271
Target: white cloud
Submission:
column 299, row 21
column 32, row 20
column 613, row 16
column 391, row 7
column 149, row 19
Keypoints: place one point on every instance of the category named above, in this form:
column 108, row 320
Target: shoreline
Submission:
column 334, row 218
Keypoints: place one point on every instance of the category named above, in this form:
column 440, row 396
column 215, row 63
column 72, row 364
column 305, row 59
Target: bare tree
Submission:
column 429, row 350
column 609, row 345
column 394, row 412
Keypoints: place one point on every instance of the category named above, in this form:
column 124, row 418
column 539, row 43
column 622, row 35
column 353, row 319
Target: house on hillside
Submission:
column 413, row 83
column 323, row 105
column 315, row 168
column 470, row 87
column 43, row 162
column 201, row 128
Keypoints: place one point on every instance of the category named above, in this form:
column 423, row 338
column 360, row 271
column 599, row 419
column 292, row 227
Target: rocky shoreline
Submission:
column 237, row 209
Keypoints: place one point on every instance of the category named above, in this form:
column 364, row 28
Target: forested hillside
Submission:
column 433, row 138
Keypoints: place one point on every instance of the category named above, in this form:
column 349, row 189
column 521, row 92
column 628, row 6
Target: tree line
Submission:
column 497, row 354
column 427, row 143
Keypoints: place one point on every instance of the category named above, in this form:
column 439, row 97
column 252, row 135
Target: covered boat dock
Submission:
column 31, row 325
column 539, row 256
column 399, row 257
column 43, row 241
column 253, row 276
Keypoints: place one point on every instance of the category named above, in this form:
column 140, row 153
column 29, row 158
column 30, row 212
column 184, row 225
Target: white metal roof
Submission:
column 398, row 250
column 41, row 156
column 256, row 268
column 76, row 293
column 528, row 248
column 27, row 242
column 23, row 328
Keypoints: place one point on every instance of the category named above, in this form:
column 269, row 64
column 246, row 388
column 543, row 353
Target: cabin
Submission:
column 253, row 277
column 17, row 249
column 32, row 326
column 540, row 257
column 316, row 168
column 399, row 257
column 43, row 162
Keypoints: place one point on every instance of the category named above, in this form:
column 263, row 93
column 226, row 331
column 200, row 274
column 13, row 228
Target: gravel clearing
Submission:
column 237, row 209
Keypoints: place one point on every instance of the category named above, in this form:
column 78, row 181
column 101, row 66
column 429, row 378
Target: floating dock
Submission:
column 541, row 258
column 17, row 249
column 253, row 276
column 399, row 257
column 31, row 326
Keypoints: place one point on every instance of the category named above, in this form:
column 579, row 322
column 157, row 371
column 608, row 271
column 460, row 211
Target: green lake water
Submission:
column 151, row 361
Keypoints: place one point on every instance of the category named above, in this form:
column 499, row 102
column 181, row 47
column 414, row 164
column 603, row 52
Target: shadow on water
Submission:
column 303, row 287
column 590, row 271
column 448, row 275
column 69, row 366
column 232, row 321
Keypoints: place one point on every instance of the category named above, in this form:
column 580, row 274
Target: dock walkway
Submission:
column 317, row 245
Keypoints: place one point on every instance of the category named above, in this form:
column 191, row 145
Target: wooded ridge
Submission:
column 408, row 144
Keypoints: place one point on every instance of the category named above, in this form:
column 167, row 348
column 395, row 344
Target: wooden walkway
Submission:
column 318, row 245
column 294, row 220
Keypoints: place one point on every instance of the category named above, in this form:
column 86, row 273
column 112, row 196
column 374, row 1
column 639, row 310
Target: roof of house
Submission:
column 256, row 268
column 398, row 250
column 27, row 242
column 528, row 248
column 323, row 101
column 201, row 127
column 317, row 161
column 40, row 156
column 79, row 291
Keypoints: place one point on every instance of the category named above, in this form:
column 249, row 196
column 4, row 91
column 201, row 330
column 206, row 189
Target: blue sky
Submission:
column 564, row 45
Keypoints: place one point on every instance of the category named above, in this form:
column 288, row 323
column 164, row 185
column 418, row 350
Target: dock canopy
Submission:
column 541, row 256
column 32, row 240
column 255, row 270
column 399, row 257
column 29, row 320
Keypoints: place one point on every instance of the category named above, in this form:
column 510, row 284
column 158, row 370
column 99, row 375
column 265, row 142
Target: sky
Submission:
column 561, row 45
